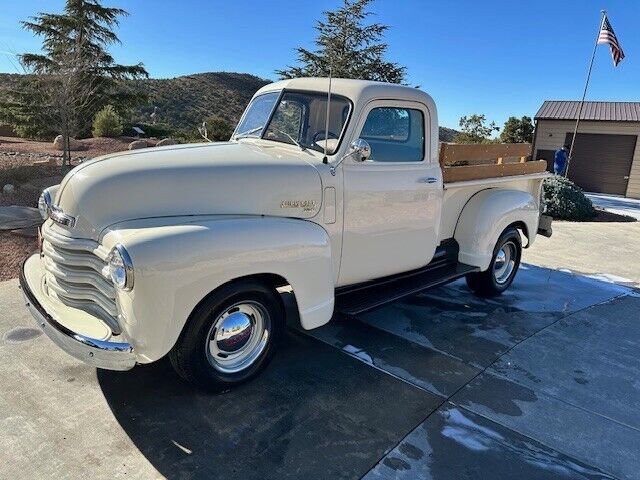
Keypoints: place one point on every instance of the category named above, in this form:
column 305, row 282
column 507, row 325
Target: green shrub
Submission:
column 565, row 200
column 218, row 129
column 107, row 123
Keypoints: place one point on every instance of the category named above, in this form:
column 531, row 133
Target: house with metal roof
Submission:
column 606, row 153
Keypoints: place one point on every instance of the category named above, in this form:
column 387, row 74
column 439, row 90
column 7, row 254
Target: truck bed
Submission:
column 469, row 169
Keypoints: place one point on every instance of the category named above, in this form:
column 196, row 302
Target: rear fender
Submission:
column 486, row 215
column 177, row 266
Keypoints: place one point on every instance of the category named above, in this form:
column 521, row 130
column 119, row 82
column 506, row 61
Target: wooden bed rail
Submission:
column 462, row 162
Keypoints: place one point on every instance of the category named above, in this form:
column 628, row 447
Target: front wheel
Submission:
column 503, row 268
column 230, row 337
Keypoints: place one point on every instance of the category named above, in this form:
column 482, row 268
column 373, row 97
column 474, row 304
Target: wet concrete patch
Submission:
column 314, row 413
column 21, row 334
column 574, row 431
column 425, row 368
column 475, row 336
column 595, row 358
column 453, row 321
column 538, row 289
column 454, row 443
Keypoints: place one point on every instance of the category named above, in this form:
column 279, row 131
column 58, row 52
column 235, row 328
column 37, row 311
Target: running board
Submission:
column 444, row 268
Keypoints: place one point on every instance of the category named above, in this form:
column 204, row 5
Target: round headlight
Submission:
column 120, row 268
column 44, row 204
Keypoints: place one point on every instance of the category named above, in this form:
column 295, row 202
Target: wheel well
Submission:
column 270, row 280
column 523, row 228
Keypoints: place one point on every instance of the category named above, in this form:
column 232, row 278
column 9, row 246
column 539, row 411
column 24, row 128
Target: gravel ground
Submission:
column 14, row 249
column 91, row 147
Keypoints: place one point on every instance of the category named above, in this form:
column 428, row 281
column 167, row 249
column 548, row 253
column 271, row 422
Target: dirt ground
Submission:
column 91, row 147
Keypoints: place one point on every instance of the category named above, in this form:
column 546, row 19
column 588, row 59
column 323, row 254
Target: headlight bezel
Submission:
column 45, row 203
column 120, row 268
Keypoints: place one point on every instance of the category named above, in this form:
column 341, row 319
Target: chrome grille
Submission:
column 74, row 275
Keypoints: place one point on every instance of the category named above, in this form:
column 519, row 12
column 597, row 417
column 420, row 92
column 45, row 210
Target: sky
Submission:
column 498, row 58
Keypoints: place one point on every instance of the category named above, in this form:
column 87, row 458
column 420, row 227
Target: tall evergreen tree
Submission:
column 74, row 77
column 85, row 28
column 350, row 47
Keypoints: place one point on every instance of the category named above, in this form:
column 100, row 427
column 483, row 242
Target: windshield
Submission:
column 299, row 119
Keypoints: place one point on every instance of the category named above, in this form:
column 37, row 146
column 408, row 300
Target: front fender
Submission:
column 485, row 217
column 176, row 266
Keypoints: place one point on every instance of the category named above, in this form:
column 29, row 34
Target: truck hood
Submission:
column 200, row 179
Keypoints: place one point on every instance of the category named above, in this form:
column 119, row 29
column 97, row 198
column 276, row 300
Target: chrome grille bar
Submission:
column 75, row 274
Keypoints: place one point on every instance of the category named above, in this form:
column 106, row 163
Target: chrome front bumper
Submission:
column 98, row 353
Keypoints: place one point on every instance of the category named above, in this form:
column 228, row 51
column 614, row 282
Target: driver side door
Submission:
column 392, row 201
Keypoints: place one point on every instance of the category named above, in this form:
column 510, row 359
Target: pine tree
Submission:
column 86, row 29
column 74, row 77
column 350, row 47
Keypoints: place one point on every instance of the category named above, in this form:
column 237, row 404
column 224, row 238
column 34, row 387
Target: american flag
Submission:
column 608, row 36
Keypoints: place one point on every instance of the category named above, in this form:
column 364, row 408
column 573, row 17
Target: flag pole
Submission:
column 603, row 14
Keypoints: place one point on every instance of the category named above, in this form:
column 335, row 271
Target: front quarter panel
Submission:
column 176, row 266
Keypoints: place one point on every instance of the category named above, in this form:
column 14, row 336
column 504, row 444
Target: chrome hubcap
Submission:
column 505, row 262
column 238, row 337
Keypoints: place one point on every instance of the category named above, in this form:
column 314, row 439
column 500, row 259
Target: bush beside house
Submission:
column 564, row 200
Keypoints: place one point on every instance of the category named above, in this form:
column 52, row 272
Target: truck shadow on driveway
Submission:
column 313, row 413
column 340, row 399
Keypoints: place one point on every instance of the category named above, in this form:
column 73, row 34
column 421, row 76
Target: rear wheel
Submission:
column 503, row 268
column 230, row 337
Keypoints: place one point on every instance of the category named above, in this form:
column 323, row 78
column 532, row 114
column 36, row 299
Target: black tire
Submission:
column 192, row 357
column 488, row 283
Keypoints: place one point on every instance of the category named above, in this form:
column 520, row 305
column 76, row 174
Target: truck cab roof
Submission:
column 360, row 92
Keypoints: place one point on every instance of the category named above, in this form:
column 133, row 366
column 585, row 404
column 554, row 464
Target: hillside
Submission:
column 182, row 103
column 447, row 134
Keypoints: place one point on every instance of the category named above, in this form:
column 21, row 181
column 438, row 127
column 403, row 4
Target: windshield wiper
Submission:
column 249, row 132
column 291, row 138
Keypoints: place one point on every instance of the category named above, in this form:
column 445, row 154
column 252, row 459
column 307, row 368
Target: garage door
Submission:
column 602, row 163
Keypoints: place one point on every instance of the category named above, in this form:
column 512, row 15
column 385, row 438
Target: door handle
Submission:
column 429, row 180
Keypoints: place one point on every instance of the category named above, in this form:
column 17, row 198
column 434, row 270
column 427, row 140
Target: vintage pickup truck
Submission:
column 336, row 192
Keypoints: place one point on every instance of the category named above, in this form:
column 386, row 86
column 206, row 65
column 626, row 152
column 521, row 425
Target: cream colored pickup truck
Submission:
column 179, row 250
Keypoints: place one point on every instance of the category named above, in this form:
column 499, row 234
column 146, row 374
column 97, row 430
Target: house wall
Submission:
column 550, row 135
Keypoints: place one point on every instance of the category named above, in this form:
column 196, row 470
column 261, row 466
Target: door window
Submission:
column 395, row 134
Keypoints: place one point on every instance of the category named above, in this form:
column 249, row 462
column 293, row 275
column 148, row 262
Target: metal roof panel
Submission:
column 603, row 111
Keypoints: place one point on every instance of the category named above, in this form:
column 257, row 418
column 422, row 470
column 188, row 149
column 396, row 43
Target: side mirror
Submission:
column 360, row 149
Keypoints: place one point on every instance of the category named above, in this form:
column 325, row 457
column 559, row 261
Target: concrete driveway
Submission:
column 616, row 204
column 609, row 251
column 543, row 382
